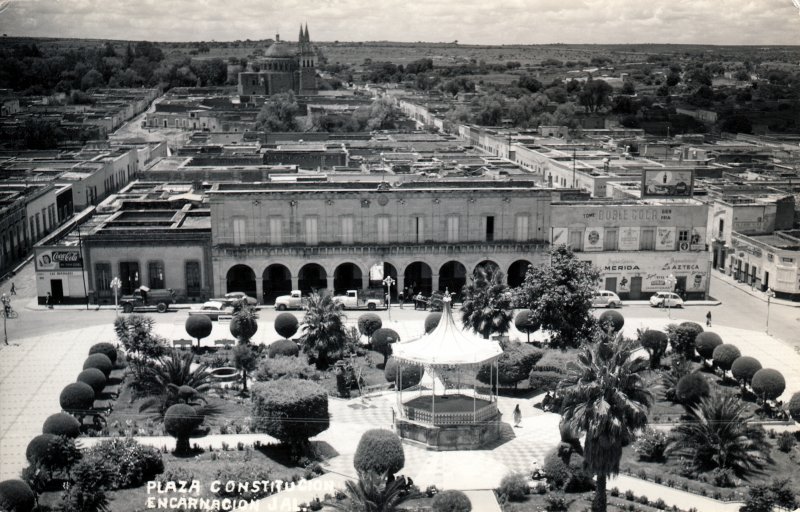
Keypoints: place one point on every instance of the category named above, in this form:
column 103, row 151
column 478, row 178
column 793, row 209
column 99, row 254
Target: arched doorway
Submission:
column 517, row 271
column 277, row 281
column 347, row 276
column 312, row 277
column 241, row 278
column 487, row 265
column 417, row 277
column 453, row 277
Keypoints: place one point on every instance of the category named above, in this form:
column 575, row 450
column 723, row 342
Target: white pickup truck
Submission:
column 294, row 300
column 352, row 300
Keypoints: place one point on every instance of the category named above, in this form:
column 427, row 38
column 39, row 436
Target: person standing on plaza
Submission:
column 49, row 301
column 517, row 416
column 708, row 319
column 13, row 289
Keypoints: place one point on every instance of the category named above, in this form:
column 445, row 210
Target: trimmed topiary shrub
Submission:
column 244, row 324
column 38, row 448
column 524, row 322
column 569, row 477
column 794, row 406
column 544, row 380
column 368, row 323
column 16, row 496
column 198, row 327
column 95, row 378
column 285, row 367
column 655, row 342
column 706, row 342
column 382, row 340
column 724, row 355
column 431, row 321
column 451, row 501
column 768, row 384
column 380, row 451
column 412, row 373
column 283, row 347
column 77, row 396
column 691, row 389
column 180, row 421
column 133, row 463
column 682, row 337
column 62, row 424
column 286, row 325
column 99, row 361
column 651, row 445
column 290, row 410
column 514, row 486
column 106, row 349
column 611, row 319
column 513, row 366
column 743, row 368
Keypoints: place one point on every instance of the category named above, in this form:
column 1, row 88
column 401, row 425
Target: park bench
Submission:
column 224, row 343
column 182, row 343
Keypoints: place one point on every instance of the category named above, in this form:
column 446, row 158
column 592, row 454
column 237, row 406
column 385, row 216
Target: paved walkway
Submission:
column 681, row 499
column 750, row 290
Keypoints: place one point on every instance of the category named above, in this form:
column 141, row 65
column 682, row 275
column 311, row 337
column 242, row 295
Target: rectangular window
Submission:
column 193, row 278
column 721, row 227
column 576, row 240
column 419, row 229
column 383, row 230
column 311, row 231
column 275, row 231
column 490, row 228
column 452, row 229
column 787, row 260
column 32, row 227
column 648, row 239
column 239, row 234
column 347, row 230
column 155, row 274
column 521, row 228
column 610, row 240
column 102, row 280
column 38, row 226
column 683, row 235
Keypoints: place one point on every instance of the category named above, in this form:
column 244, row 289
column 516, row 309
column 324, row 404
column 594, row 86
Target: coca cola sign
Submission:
column 66, row 256
column 55, row 259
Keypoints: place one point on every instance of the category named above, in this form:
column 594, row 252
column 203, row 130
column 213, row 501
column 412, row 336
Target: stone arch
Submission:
column 516, row 272
column 418, row 276
column 241, row 278
column 347, row 276
column 311, row 277
column 277, row 281
column 453, row 277
column 486, row 264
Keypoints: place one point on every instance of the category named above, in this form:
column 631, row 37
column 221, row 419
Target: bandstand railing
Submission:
column 449, row 418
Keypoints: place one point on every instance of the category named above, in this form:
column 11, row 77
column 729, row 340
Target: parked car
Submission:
column 233, row 296
column 666, row 300
column 294, row 300
column 606, row 299
column 354, row 300
column 213, row 310
column 143, row 298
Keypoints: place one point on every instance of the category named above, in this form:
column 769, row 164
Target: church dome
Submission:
column 280, row 50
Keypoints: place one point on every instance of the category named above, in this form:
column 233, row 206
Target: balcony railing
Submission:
column 389, row 249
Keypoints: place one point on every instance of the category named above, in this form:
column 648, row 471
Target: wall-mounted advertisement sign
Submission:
column 559, row 236
column 665, row 239
column 55, row 259
column 628, row 239
column 593, row 239
column 667, row 183
column 698, row 240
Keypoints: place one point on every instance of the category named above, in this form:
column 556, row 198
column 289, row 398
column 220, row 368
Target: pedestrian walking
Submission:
column 517, row 416
column 49, row 301
column 13, row 289
column 708, row 319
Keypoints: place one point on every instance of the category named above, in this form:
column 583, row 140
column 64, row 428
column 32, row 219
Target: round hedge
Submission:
column 724, row 355
column 382, row 340
column 706, row 342
column 108, row 349
column 243, row 326
column 768, row 383
column 77, row 396
column 368, row 323
column 612, row 318
column 744, row 368
column 794, row 406
column 62, row 424
column 654, row 340
column 180, row 420
column 692, row 388
column 381, row 451
column 95, row 378
column 198, row 326
column 286, row 325
column 524, row 322
column 451, row 501
column 99, row 361
column 431, row 321
column 283, row 347
column 412, row 373
column 290, row 410
column 38, row 447
column 16, row 496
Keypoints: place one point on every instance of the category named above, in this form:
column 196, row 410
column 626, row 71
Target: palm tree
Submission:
column 372, row 493
column 172, row 379
column 487, row 303
column 606, row 396
column 323, row 327
column 718, row 436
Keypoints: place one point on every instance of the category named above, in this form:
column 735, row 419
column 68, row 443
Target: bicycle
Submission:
column 9, row 313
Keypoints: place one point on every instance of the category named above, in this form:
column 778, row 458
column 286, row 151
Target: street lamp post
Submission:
column 770, row 294
column 389, row 282
column 6, row 309
column 671, row 283
column 116, row 284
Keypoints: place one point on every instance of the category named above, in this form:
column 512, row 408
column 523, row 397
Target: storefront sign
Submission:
column 665, row 239
column 632, row 213
column 53, row 259
column 667, row 183
column 628, row 239
column 755, row 251
column 559, row 236
column 698, row 240
column 593, row 239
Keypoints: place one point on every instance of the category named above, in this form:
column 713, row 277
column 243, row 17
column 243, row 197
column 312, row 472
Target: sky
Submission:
column 722, row 22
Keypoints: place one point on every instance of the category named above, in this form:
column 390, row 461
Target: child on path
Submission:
column 708, row 319
column 517, row 416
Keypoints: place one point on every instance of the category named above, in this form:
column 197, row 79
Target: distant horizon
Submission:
column 470, row 22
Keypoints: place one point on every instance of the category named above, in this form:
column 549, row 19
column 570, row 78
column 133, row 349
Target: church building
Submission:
column 285, row 67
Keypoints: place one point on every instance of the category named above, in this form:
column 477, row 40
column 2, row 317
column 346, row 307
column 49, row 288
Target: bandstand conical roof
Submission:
column 447, row 345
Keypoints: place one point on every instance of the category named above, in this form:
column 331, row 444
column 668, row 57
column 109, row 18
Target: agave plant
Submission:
column 171, row 379
column 372, row 493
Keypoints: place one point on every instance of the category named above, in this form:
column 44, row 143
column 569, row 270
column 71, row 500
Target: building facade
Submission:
column 767, row 262
column 284, row 68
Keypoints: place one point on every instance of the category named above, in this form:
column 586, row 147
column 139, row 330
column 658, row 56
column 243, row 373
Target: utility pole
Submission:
column 83, row 270
column 574, row 151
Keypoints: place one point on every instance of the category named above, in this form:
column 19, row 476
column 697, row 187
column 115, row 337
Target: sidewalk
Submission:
column 681, row 499
column 752, row 291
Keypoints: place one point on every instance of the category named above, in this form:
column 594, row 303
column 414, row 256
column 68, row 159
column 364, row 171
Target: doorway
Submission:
column 611, row 284
column 636, row 288
column 57, row 290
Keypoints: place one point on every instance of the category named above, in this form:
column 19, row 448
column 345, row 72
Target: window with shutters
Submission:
column 193, row 278
column 419, row 229
column 383, row 229
column 347, row 230
column 489, row 225
column 239, row 228
column 275, row 231
column 610, row 240
column 521, row 228
column 452, row 228
column 576, row 240
column 155, row 274
column 102, row 279
column 648, row 239
column 311, row 231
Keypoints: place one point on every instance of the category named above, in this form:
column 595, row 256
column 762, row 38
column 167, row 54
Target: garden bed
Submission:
column 372, row 371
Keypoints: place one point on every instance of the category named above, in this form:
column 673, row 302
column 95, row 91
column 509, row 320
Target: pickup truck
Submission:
column 294, row 300
column 145, row 299
column 352, row 300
